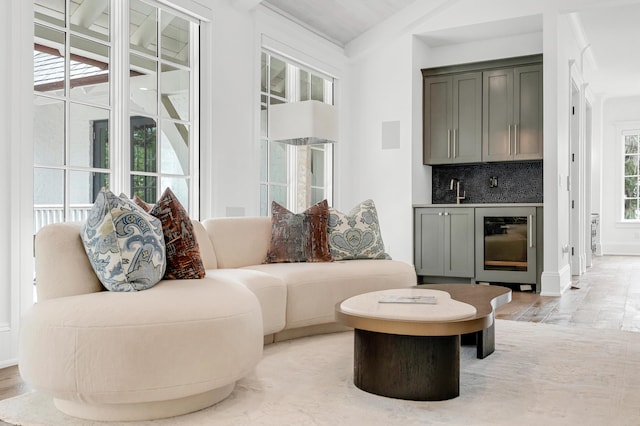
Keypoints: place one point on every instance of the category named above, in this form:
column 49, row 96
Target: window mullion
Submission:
column 119, row 143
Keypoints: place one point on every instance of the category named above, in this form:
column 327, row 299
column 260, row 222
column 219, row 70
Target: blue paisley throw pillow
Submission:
column 356, row 235
column 125, row 244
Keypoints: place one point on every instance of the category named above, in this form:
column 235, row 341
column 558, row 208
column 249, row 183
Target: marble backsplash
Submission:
column 517, row 182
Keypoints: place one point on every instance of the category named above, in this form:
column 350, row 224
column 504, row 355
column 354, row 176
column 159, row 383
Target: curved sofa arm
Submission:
column 62, row 266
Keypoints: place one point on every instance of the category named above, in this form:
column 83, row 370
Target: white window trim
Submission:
column 622, row 128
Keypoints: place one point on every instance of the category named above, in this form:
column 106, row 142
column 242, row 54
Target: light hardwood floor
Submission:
column 606, row 296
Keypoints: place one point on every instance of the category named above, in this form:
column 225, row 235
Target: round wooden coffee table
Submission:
column 412, row 350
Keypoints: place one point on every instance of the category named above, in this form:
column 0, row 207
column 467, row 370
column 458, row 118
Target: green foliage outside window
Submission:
column 631, row 176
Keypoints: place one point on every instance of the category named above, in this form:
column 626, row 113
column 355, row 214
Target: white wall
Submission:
column 617, row 237
column 380, row 90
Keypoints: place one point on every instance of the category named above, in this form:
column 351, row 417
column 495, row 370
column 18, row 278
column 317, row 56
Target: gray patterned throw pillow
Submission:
column 125, row 244
column 356, row 235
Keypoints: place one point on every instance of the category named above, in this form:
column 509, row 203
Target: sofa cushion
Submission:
column 124, row 244
column 271, row 292
column 168, row 342
column 299, row 237
column 183, row 251
column 61, row 276
column 313, row 289
column 356, row 235
column 239, row 241
column 207, row 253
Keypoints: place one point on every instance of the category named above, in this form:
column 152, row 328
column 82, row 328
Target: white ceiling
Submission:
column 339, row 21
column 613, row 32
column 614, row 36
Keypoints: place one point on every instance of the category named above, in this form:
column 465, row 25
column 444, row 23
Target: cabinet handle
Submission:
column 446, row 213
column 449, row 143
column 530, row 233
column 509, row 139
column 454, row 143
column 515, row 139
column 439, row 213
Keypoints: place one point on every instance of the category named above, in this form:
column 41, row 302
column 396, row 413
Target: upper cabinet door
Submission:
column 528, row 140
column 438, row 120
column 497, row 121
column 453, row 119
column 512, row 114
column 467, row 118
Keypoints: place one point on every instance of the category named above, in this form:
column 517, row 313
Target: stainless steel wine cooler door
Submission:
column 506, row 244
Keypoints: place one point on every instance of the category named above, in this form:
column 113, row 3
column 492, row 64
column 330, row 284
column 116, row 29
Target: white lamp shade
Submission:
column 303, row 123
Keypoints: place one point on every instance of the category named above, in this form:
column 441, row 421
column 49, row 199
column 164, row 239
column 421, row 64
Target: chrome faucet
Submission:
column 457, row 185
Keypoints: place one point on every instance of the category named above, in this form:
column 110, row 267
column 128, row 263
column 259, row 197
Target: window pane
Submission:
column 90, row 18
column 317, row 88
column 48, row 61
column 143, row 28
column 317, row 195
column 48, row 197
column 145, row 187
column 263, row 72
column 305, row 86
column 174, row 85
column 174, row 146
column 278, row 82
column 631, row 187
column 175, row 38
column 631, row 165
column 631, row 144
column 88, row 136
column 51, row 11
column 83, row 190
column 180, row 188
column 278, row 194
column 48, row 131
column 144, row 146
column 631, row 209
column 264, row 201
column 278, row 163
column 317, row 167
column 143, row 84
column 264, row 147
column 263, row 117
column 89, row 71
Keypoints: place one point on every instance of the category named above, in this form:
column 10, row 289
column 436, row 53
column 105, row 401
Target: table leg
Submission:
column 486, row 341
column 419, row 368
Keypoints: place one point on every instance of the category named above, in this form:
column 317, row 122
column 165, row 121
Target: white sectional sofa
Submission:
column 181, row 345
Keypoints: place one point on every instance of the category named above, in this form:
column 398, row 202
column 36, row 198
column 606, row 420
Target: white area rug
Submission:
column 539, row 375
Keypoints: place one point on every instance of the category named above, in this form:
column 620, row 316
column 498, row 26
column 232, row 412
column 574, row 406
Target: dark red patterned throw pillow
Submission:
column 183, row 252
column 299, row 237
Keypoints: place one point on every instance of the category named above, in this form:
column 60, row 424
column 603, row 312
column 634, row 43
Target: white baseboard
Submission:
column 8, row 363
column 621, row 249
column 556, row 283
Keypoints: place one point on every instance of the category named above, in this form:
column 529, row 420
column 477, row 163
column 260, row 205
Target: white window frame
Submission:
column 119, row 111
column 623, row 130
column 292, row 95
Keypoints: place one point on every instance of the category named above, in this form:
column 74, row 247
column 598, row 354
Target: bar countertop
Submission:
column 415, row 206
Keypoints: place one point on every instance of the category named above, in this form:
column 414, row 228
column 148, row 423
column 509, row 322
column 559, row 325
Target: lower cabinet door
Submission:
column 429, row 241
column 444, row 242
column 459, row 243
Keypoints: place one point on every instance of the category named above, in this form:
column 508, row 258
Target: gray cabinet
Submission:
column 444, row 242
column 512, row 114
column 452, row 118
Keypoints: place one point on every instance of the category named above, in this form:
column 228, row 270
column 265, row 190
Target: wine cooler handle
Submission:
column 530, row 236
